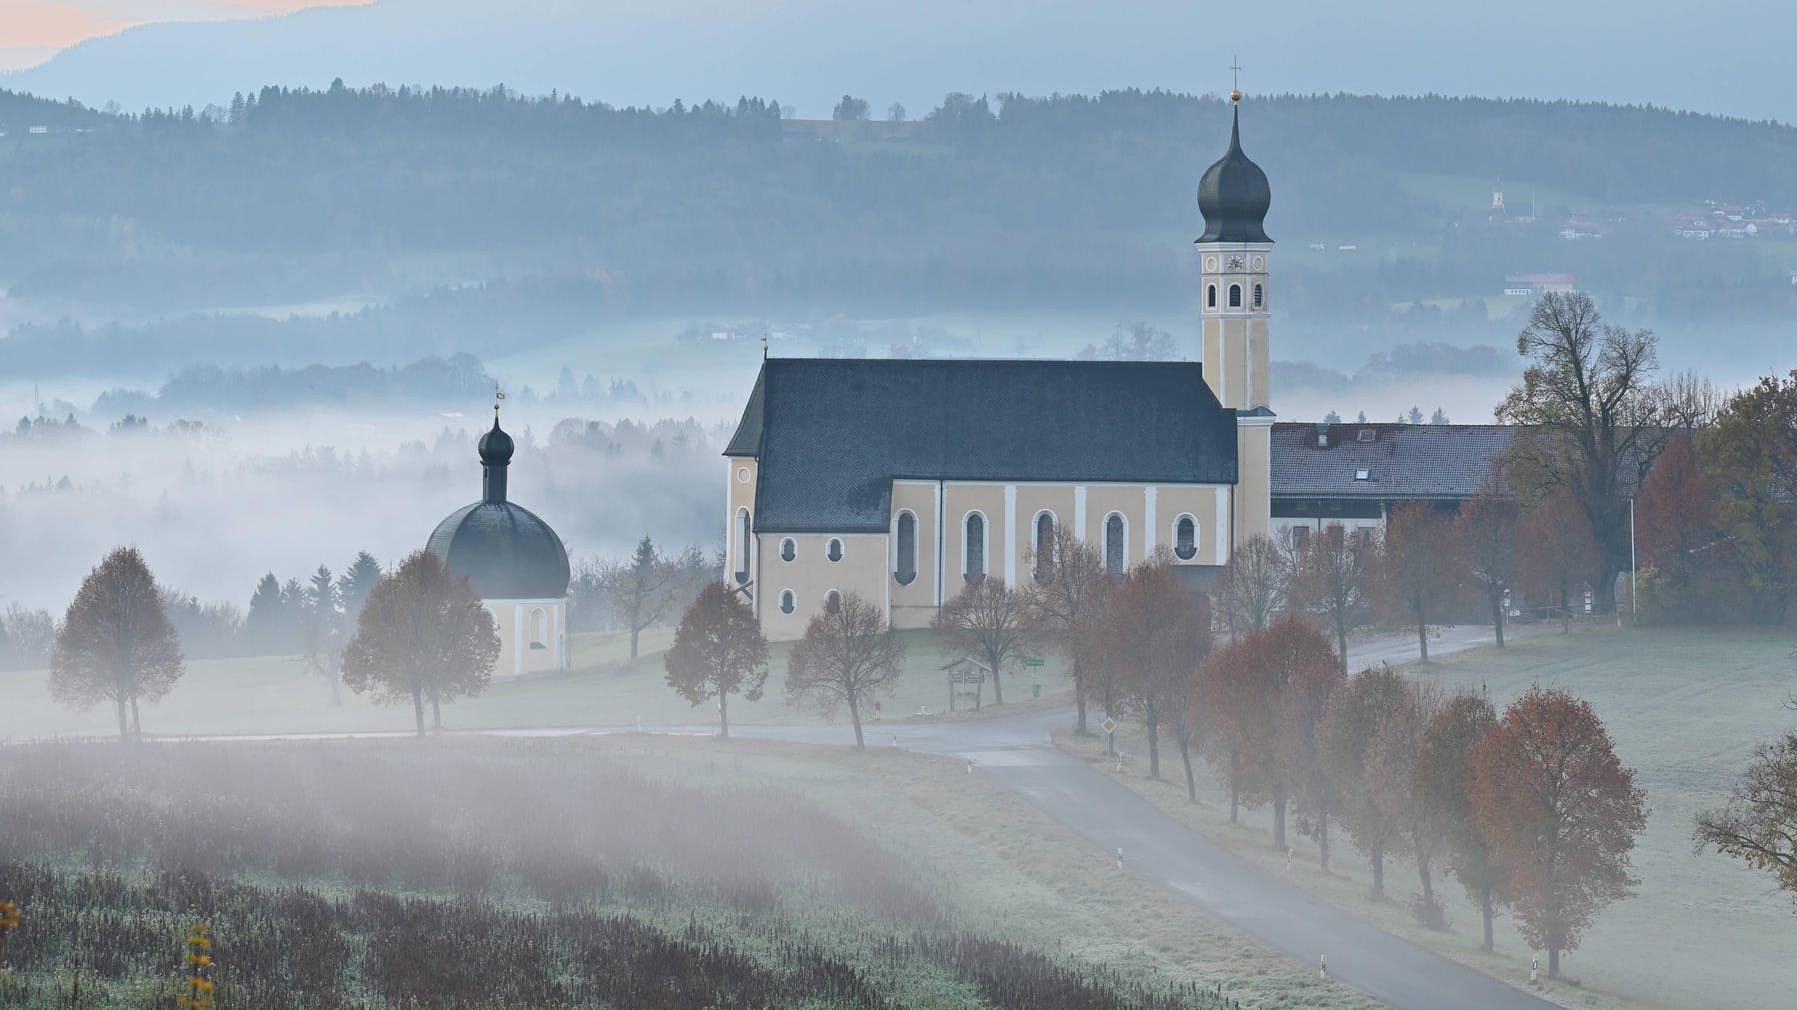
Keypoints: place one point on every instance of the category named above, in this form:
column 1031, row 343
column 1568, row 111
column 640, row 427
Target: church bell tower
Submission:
column 1233, row 254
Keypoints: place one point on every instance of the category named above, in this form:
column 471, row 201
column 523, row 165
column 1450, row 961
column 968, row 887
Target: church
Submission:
column 903, row 480
column 515, row 562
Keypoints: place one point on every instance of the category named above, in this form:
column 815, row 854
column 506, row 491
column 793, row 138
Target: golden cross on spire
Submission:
column 498, row 395
column 1235, row 70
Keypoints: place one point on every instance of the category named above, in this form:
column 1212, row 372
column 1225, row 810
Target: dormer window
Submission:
column 1363, row 474
column 1366, row 435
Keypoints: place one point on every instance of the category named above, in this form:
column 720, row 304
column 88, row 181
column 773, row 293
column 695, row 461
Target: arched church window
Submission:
column 1115, row 542
column 1258, row 295
column 1210, row 297
column 832, row 602
column 1185, row 538
column 1235, row 296
column 788, row 549
column 788, row 602
column 973, row 551
column 834, row 550
column 904, row 562
column 742, row 545
column 1044, row 546
column 539, row 628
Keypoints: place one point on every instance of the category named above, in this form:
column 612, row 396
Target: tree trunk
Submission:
column 1553, row 962
column 1341, row 642
column 436, row 713
column 1422, row 628
column 635, row 632
column 1497, row 616
column 1279, row 823
column 855, row 717
column 418, row 709
column 998, row 689
column 1079, row 700
column 1235, row 793
column 1485, row 913
column 724, row 714
column 124, row 727
column 1377, row 857
column 1422, row 869
column 137, row 726
column 1154, row 745
column 1323, row 843
column 1185, row 754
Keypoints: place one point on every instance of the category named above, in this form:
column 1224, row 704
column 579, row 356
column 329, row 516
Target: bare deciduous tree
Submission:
column 116, row 643
column 985, row 620
column 847, row 657
column 1333, row 579
column 1253, row 587
column 1065, row 603
column 1487, row 534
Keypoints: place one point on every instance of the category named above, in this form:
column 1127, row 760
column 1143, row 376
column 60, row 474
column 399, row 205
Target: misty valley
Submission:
column 470, row 547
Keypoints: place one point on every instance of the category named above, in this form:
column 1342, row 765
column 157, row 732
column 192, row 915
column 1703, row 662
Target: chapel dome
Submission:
column 504, row 549
column 1234, row 195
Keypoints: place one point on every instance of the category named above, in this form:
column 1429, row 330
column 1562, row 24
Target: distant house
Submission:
column 1351, row 476
column 1537, row 284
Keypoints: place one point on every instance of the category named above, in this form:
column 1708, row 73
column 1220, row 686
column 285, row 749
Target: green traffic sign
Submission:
column 1032, row 661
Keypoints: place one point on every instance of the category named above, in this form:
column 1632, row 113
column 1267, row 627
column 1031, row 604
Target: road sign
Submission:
column 1109, row 725
column 1032, row 661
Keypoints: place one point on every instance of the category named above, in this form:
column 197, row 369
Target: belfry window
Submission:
column 1257, row 296
column 1235, row 296
column 1185, row 538
column 742, row 545
column 973, row 551
column 1044, row 546
column 1210, row 297
column 904, row 567
column 1115, row 538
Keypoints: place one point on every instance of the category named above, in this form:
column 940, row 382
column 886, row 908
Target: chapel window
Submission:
column 905, row 564
column 788, row 549
column 1044, row 546
column 832, row 602
column 974, row 549
column 1185, row 538
column 742, row 545
column 1114, row 544
column 788, row 602
column 834, row 550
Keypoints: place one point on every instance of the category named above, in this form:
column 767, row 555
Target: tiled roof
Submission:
column 832, row 434
column 1400, row 460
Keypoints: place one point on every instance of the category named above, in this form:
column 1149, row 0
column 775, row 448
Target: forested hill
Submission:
column 1069, row 199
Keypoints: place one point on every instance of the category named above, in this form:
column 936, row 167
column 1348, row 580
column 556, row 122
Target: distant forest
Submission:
column 556, row 210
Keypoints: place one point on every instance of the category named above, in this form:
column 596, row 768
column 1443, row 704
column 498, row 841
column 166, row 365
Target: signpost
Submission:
column 965, row 678
column 1109, row 726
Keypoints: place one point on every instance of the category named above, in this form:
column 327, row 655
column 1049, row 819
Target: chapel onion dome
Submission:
column 504, row 549
column 1233, row 195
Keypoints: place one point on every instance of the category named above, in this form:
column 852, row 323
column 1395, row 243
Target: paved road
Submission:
column 1017, row 752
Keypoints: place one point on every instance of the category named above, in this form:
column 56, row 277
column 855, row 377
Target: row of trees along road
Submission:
column 1531, row 809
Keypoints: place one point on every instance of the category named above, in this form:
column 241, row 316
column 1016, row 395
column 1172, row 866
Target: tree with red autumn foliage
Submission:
column 1417, row 567
column 1486, row 532
column 1316, row 674
column 1156, row 634
column 1560, row 813
column 1444, row 786
column 1244, row 687
column 1558, row 551
column 718, row 650
column 1344, row 740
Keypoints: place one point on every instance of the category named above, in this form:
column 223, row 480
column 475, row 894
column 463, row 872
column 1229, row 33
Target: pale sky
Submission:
column 31, row 31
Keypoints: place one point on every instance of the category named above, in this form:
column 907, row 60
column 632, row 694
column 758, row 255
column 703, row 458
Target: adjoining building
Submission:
column 515, row 562
column 903, row 480
column 1351, row 476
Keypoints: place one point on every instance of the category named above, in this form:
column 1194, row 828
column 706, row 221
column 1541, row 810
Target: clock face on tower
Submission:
column 1235, row 263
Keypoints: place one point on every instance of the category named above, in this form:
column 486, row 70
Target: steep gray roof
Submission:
column 504, row 549
column 1438, row 461
column 832, row 434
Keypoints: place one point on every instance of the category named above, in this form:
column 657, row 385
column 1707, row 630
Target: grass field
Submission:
column 518, row 867
column 1684, row 709
column 275, row 694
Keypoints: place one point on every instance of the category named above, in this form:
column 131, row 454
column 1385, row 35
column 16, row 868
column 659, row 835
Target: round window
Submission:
column 742, row 475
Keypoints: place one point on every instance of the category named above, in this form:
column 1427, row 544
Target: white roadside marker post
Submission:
column 1119, row 857
column 1323, row 967
column 1534, row 969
